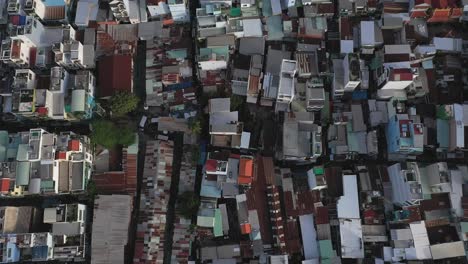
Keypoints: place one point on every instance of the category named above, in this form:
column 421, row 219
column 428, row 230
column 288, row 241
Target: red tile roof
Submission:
column 61, row 155
column 395, row 7
column 110, row 182
column 74, row 145
column 401, row 75
column 419, row 13
column 211, row 165
column 246, row 228
column 32, row 56
column 42, row 111
column 245, row 171
column 15, row 20
column 54, row 12
column 321, row 215
column 115, row 75
column 440, row 15
column 4, row 185
column 438, row 201
column 293, row 240
column 456, row 13
column 129, row 164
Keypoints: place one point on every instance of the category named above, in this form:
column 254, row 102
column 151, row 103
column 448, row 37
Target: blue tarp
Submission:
column 359, row 95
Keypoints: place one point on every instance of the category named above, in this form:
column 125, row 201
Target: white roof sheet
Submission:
column 252, row 27
column 245, row 140
column 397, row 49
column 418, row 253
column 419, row 232
column 309, row 236
column 348, row 204
column 351, row 238
column 212, row 65
column 223, row 118
column 347, row 46
column 220, row 105
column 448, row 250
column 396, row 85
column 448, row 44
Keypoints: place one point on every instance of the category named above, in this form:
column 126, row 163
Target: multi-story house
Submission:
column 286, row 85
column 27, row 247
column 28, row 37
column 72, row 54
column 44, row 162
column 225, row 128
column 50, row 10
column 129, row 11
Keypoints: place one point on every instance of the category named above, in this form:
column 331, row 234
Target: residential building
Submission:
column 45, row 162
column 286, row 85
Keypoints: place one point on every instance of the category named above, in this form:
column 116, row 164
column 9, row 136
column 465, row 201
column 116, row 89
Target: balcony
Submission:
column 13, row 7
column 10, row 49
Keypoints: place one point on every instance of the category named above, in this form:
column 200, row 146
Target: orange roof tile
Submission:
column 440, row 15
column 74, row 145
column 5, row 185
column 245, row 171
column 246, row 228
column 456, row 12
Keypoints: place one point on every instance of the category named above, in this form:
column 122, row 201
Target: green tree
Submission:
column 91, row 189
column 109, row 135
column 187, row 204
column 236, row 102
column 195, row 127
column 196, row 124
column 104, row 133
column 123, row 103
column 126, row 136
column 442, row 113
column 195, row 154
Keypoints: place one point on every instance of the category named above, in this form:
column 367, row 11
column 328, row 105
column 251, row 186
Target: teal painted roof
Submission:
column 177, row 54
column 218, row 223
column 318, row 170
column 53, row 2
column 443, row 133
column 3, row 145
column 326, row 249
column 3, row 138
column 22, row 173
column 275, row 28
column 3, row 153
column 266, row 8
column 221, row 51
column 47, row 184
column 133, row 148
column 235, row 12
column 464, row 226
column 22, row 154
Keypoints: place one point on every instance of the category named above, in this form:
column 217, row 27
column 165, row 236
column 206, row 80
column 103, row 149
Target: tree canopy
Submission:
column 187, row 204
column 123, row 103
column 109, row 135
column 237, row 102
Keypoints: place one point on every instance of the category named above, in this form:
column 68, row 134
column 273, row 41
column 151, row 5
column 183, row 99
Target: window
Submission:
column 9, row 253
column 80, row 215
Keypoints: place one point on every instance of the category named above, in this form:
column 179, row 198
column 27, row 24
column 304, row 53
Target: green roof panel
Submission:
column 22, row 173
column 218, row 224
column 326, row 249
column 22, row 154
